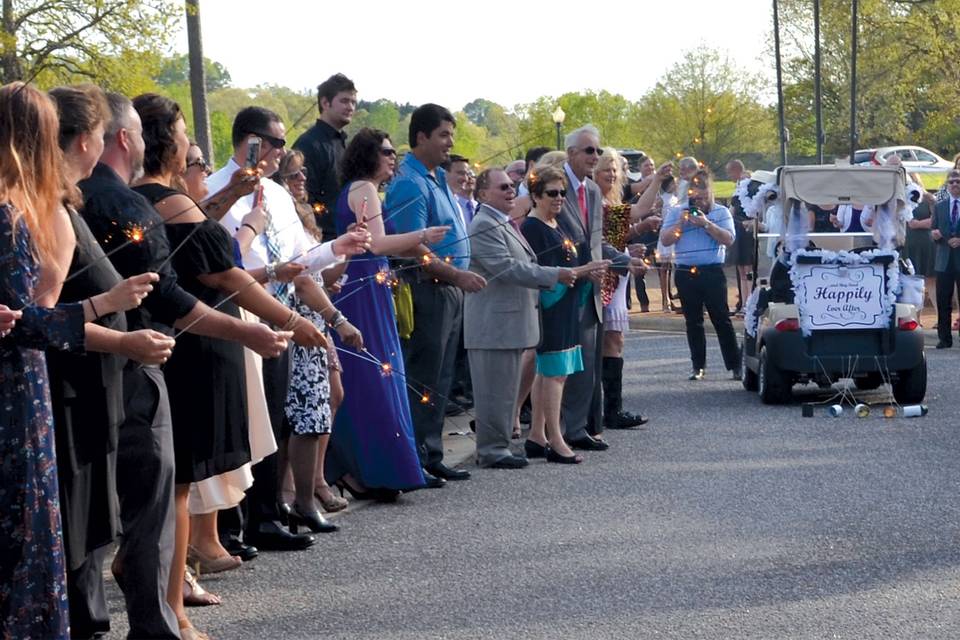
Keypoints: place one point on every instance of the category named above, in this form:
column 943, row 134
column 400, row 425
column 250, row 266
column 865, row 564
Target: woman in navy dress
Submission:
column 372, row 451
column 36, row 243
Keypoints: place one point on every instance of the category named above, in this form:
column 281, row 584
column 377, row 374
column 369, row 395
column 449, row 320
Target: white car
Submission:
column 912, row 158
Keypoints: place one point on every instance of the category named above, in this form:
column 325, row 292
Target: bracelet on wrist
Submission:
column 271, row 271
column 251, row 227
column 93, row 308
column 338, row 320
column 291, row 322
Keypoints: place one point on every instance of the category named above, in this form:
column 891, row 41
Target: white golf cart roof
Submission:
column 821, row 184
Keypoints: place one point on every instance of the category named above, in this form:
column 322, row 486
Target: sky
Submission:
column 452, row 52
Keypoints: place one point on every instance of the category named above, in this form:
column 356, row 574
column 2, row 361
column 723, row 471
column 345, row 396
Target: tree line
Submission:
column 705, row 105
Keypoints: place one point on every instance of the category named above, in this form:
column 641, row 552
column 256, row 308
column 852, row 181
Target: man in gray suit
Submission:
column 946, row 236
column 503, row 319
column 582, row 221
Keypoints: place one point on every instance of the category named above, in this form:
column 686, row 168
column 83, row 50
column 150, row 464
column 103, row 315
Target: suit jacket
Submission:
column 505, row 314
column 589, row 242
column 941, row 221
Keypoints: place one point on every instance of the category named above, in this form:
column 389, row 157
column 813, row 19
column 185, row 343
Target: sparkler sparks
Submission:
column 134, row 234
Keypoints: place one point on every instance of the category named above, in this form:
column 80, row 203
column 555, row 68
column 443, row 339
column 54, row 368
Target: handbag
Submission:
column 403, row 305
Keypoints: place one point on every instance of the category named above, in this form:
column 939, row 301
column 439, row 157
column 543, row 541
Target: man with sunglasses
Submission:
column 323, row 144
column 946, row 236
column 501, row 320
column 581, row 219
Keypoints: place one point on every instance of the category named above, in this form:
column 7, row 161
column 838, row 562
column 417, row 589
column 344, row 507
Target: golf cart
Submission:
column 836, row 305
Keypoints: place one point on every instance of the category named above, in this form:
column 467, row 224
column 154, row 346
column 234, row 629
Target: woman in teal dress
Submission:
column 558, row 354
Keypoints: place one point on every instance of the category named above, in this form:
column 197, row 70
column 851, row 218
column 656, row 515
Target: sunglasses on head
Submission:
column 388, row 153
column 592, row 150
column 553, row 193
column 275, row 142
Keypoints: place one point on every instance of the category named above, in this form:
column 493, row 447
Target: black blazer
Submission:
column 941, row 221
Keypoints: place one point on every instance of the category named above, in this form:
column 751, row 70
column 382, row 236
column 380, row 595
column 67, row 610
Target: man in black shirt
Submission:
column 324, row 143
column 145, row 462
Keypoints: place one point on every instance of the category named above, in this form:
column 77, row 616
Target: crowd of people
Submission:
column 199, row 364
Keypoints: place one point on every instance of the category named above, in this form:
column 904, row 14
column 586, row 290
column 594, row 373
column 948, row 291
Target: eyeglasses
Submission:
column 953, row 181
column 592, row 150
column 275, row 142
column 202, row 163
column 387, row 152
column 506, row 186
column 553, row 193
column 299, row 173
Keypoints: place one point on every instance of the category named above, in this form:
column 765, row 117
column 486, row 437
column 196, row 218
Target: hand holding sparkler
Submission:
column 433, row 235
column 263, row 340
column 350, row 335
column 469, row 281
column 352, row 243
column 8, row 318
column 126, row 294
column 146, row 346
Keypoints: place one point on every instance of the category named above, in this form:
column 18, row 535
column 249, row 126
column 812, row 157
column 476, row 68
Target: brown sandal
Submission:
column 196, row 596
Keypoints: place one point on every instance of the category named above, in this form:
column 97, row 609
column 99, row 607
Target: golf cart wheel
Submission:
column 747, row 377
column 870, row 381
column 911, row 385
column 772, row 383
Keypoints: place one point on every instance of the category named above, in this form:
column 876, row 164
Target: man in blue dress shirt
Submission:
column 418, row 197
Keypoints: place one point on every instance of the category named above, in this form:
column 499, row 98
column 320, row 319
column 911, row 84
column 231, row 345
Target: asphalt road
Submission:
column 724, row 518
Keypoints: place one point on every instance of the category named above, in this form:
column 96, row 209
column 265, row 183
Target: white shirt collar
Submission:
column 499, row 214
column 574, row 181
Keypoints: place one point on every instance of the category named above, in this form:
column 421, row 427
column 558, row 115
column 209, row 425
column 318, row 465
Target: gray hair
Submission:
column 571, row 140
column 120, row 107
column 689, row 162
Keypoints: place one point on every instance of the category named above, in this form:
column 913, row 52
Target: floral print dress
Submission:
column 33, row 594
column 308, row 397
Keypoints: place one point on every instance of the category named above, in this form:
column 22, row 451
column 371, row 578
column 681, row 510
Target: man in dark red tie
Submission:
column 946, row 235
column 581, row 220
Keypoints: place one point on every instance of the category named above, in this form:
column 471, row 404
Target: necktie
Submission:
column 281, row 289
column 469, row 210
column 582, row 200
column 954, row 214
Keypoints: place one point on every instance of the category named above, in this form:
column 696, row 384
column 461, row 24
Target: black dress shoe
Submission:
column 534, row 450
column 553, row 456
column 588, row 443
column 696, row 374
column 235, row 547
column 626, row 420
column 313, row 520
column 271, row 536
column 944, row 345
column 443, row 471
column 431, row 481
column 509, row 462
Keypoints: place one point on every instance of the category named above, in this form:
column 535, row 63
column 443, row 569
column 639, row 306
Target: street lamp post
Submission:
column 558, row 118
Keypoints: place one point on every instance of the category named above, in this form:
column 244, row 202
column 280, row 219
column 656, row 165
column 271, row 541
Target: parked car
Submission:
column 913, row 158
column 830, row 314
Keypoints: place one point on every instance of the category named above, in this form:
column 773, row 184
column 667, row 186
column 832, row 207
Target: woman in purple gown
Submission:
column 372, row 451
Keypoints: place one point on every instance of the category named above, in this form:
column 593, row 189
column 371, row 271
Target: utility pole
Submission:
column 816, row 80
column 853, row 83
column 776, row 47
column 198, row 81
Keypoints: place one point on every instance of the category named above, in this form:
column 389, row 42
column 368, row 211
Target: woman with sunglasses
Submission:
column 315, row 391
column 372, row 450
column 700, row 233
column 558, row 354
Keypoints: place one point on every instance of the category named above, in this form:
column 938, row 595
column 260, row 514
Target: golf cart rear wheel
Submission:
column 772, row 384
column 911, row 385
column 747, row 377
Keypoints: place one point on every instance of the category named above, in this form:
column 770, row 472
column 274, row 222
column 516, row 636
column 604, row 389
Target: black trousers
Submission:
column 262, row 496
column 947, row 282
column 429, row 357
column 707, row 287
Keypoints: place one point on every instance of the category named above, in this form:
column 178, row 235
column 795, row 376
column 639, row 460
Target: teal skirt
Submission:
column 553, row 364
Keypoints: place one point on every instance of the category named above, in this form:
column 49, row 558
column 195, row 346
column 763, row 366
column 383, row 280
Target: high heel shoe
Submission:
column 284, row 509
column 377, row 495
column 313, row 520
column 208, row 564
column 553, row 456
column 332, row 503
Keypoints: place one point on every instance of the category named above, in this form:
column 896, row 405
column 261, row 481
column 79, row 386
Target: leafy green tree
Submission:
column 176, row 69
column 108, row 41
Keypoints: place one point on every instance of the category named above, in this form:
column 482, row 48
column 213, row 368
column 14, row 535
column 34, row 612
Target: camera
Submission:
column 253, row 152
